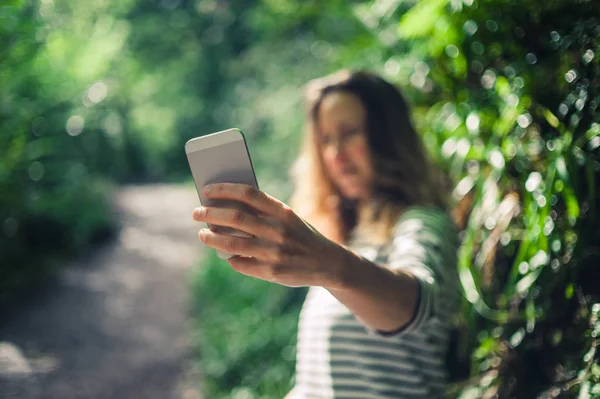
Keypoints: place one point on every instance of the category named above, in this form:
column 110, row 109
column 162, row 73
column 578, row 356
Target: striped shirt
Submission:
column 338, row 357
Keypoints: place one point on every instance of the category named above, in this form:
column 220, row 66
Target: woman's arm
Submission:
column 383, row 299
column 286, row 250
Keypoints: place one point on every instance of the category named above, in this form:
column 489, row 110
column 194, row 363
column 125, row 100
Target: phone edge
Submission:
column 249, row 158
column 213, row 139
column 214, row 143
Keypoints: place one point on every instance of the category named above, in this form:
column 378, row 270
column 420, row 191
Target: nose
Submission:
column 339, row 150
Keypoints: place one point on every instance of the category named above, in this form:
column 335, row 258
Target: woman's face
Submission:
column 341, row 125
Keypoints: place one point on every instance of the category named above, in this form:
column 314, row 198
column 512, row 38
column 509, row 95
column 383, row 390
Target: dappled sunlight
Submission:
column 101, row 269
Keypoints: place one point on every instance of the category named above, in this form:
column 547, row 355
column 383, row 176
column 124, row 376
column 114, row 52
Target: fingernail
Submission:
column 196, row 213
column 202, row 234
column 207, row 189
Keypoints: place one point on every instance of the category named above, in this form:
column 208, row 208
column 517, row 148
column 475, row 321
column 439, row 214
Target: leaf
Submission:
column 569, row 291
column 591, row 175
column 551, row 118
column 526, row 282
column 421, row 19
column 571, row 202
column 561, row 169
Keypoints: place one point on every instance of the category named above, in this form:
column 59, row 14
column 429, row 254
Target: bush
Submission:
column 50, row 202
column 507, row 98
column 245, row 332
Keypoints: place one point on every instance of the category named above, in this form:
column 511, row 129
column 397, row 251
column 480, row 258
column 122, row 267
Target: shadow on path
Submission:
column 114, row 325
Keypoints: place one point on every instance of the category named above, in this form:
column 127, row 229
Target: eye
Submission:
column 325, row 139
column 350, row 131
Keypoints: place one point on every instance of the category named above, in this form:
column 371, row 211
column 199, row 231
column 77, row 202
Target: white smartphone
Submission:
column 221, row 157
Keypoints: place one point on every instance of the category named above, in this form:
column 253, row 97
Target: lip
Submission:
column 348, row 175
column 348, row 170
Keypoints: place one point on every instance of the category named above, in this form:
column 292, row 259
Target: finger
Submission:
column 255, row 268
column 237, row 219
column 249, row 195
column 235, row 245
column 248, row 266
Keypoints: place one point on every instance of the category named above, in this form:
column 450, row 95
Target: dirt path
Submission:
column 114, row 325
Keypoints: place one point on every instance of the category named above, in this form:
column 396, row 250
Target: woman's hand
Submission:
column 283, row 248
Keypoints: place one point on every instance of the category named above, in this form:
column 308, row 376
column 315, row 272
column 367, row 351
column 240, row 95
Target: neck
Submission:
column 362, row 209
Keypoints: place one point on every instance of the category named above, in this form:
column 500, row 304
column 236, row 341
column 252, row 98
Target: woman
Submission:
column 381, row 259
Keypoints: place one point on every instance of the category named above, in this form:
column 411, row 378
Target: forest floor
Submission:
column 115, row 322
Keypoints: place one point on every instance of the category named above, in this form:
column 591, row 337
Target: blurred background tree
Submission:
column 505, row 93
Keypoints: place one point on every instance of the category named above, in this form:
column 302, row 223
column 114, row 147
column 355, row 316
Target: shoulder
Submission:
column 424, row 238
column 428, row 215
column 426, row 223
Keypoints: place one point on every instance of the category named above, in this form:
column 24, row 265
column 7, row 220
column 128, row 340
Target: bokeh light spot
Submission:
column 490, row 223
column 588, row 56
column 36, row 171
column 563, row 109
column 505, row 238
column 75, row 125
column 470, row 27
column 541, row 201
column 519, row 82
column 510, row 72
column 463, row 187
column 477, row 48
column 452, row 51
column 531, row 58
column 488, row 79
column 10, row 227
column 38, row 126
column 496, row 159
column 533, row 181
column 452, row 122
column 571, row 76
column 321, row 49
column 462, row 147
column 512, row 100
column 422, row 68
column 417, row 80
column 392, row 67
column 519, row 32
column 112, row 124
column 539, row 259
column 491, row 25
column 524, row 120
column 449, row 147
column 97, row 92
column 523, row 267
column 473, row 122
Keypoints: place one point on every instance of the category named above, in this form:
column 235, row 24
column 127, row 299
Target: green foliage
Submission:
column 49, row 201
column 507, row 101
column 102, row 91
column 246, row 333
column 505, row 94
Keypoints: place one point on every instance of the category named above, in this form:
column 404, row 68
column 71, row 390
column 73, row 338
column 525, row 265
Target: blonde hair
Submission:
column 404, row 176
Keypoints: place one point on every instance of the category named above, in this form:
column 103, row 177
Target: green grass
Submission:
column 244, row 330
